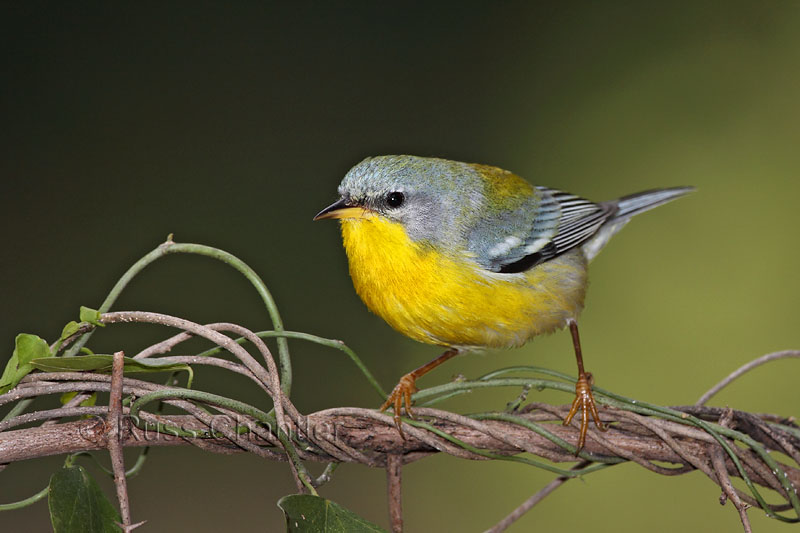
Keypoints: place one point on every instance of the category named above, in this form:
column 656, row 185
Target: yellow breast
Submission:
column 448, row 299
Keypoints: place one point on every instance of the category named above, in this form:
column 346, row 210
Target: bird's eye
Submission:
column 395, row 199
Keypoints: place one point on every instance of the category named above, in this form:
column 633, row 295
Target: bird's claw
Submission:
column 400, row 398
column 584, row 402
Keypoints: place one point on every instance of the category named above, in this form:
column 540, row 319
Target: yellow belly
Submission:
column 450, row 300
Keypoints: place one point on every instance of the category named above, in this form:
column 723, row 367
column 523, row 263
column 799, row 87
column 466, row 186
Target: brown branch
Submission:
column 114, row 422
column 728, row 490
column 368, row 437
column 394, row 470
column 358, row 429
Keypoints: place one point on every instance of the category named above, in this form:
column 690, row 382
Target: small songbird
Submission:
column 468, row 256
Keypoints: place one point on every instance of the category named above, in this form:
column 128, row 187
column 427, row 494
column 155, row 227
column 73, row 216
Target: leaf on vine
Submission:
column 78, row 505
column 69, row 330
column 103, row 362
column 306, row 513
column 27, row 347
column 88, row 402
column 92, row 316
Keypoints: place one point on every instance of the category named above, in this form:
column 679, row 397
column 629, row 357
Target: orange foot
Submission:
column 401, row 394
column 584, row 401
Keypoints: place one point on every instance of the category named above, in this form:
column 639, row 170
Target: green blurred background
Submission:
column 232, row 126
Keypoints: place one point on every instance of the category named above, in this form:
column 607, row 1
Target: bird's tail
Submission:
column 627, row 206
column 633, row 204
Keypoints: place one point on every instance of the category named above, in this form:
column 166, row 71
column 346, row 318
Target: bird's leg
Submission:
column 584, row 400
column 401, row 394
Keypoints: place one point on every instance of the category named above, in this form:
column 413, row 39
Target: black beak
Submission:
column 335, row 210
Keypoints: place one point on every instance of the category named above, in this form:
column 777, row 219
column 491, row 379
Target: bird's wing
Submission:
column 547, row 226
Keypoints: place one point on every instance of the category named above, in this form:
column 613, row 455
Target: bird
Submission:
column 471, row 257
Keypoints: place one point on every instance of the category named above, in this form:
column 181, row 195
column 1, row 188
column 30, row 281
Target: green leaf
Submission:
column 88, row 402
column 306, row 513
column 26, row 348
column 70, row 329
column 92, row 316
column 29, row 347
column 78, row 505
column 102, row 363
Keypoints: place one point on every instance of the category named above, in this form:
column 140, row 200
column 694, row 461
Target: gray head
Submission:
column 432, row 198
